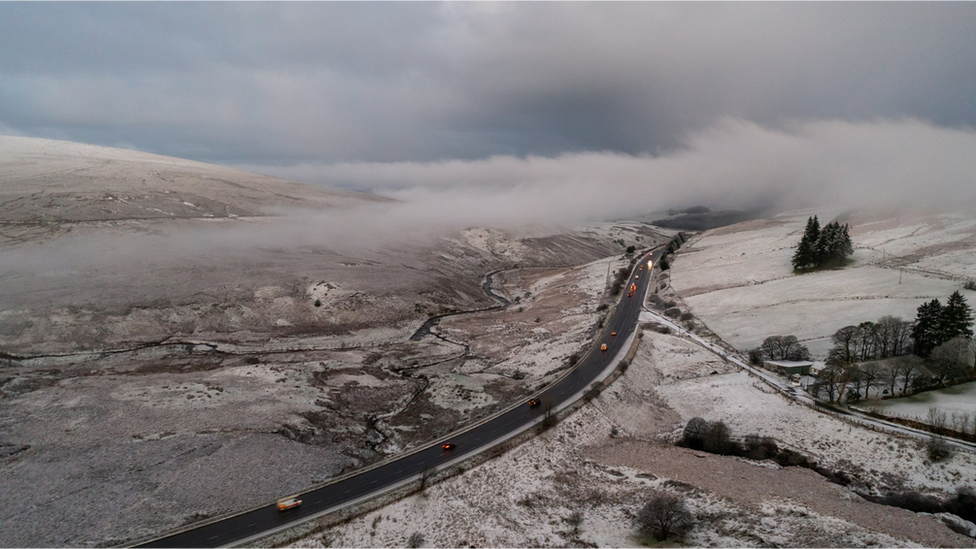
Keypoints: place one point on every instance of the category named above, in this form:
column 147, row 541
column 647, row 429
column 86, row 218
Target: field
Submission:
column 958, row 399
column 738, row 279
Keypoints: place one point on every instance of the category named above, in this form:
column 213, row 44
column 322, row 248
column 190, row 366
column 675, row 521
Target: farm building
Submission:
column 789, row 367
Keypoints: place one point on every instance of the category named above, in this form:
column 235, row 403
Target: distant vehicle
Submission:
column 533, row 403
column 613, row 333
column 447, row 446
column 650, row 264
column 631, row 294
column 603, row 347
column 633, row 288
column 641, row 268
column 636, row 277
column 289, row 502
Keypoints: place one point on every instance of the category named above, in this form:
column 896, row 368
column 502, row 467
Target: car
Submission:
column 533, row 403
column 447, row 446
column 289, row 502
column 603, row 347
column 613, row 333
column 636, row 277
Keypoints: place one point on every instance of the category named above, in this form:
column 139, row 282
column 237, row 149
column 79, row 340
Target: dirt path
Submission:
column 749, row 485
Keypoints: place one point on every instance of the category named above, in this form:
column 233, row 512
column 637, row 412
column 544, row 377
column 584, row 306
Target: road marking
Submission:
column 213, row 537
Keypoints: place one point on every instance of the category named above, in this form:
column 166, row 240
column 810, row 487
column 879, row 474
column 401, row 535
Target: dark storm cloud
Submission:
column 276, row 85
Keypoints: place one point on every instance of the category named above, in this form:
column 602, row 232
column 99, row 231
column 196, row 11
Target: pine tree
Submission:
column 956, row 318
column 825, row 245
column 805, row 254
column 846, row 246
column 926, row 333
column 830, row 245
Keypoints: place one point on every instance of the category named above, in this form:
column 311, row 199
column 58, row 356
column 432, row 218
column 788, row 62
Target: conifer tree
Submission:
column 829, row 245
column 928, row 325
column 805, row 254
column 956, row 319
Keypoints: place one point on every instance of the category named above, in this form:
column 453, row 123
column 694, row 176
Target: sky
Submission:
column 420, row 100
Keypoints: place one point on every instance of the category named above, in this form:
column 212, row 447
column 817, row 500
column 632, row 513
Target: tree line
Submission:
column 818, row 247
column 890, row 355
column 936, row 324
column 940, row 339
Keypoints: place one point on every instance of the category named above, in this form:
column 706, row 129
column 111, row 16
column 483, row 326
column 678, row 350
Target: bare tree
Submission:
column 909, row 373
column 867, row 335
column 949, row 360
column 833, row 380
column 845, row 343
column 902, row 338
column 871, row 372
column 784, row 348
column 892, row 373
column 937, row 419
column 663, row 516
column 694, row 433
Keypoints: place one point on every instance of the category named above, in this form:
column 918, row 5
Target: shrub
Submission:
column 664, row 515
column 416, row 540
column 687, row 316
column 673, row 312
column 601, row 307
column 789, row 458
column 576, row 519
column 913, row 501
column 694, row 433
column 938, row 449
column 759, row 448
column 756, row 357
column 970, row 285
column 718, row 439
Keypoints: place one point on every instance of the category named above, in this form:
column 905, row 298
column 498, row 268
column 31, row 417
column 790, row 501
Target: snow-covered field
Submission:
column 738, row 279
column 877, row 460
column 526, row 496
column 958, row 400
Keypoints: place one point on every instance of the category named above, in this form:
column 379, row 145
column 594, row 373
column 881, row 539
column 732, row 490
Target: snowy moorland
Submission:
column 603, row 460
column 738, row 280
column 166, row 325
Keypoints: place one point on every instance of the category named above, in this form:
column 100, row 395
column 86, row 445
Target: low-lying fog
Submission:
column 732, row 164
column 894, row 164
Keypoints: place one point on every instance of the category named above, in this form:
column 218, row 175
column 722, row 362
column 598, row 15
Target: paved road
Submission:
column 409, row 467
